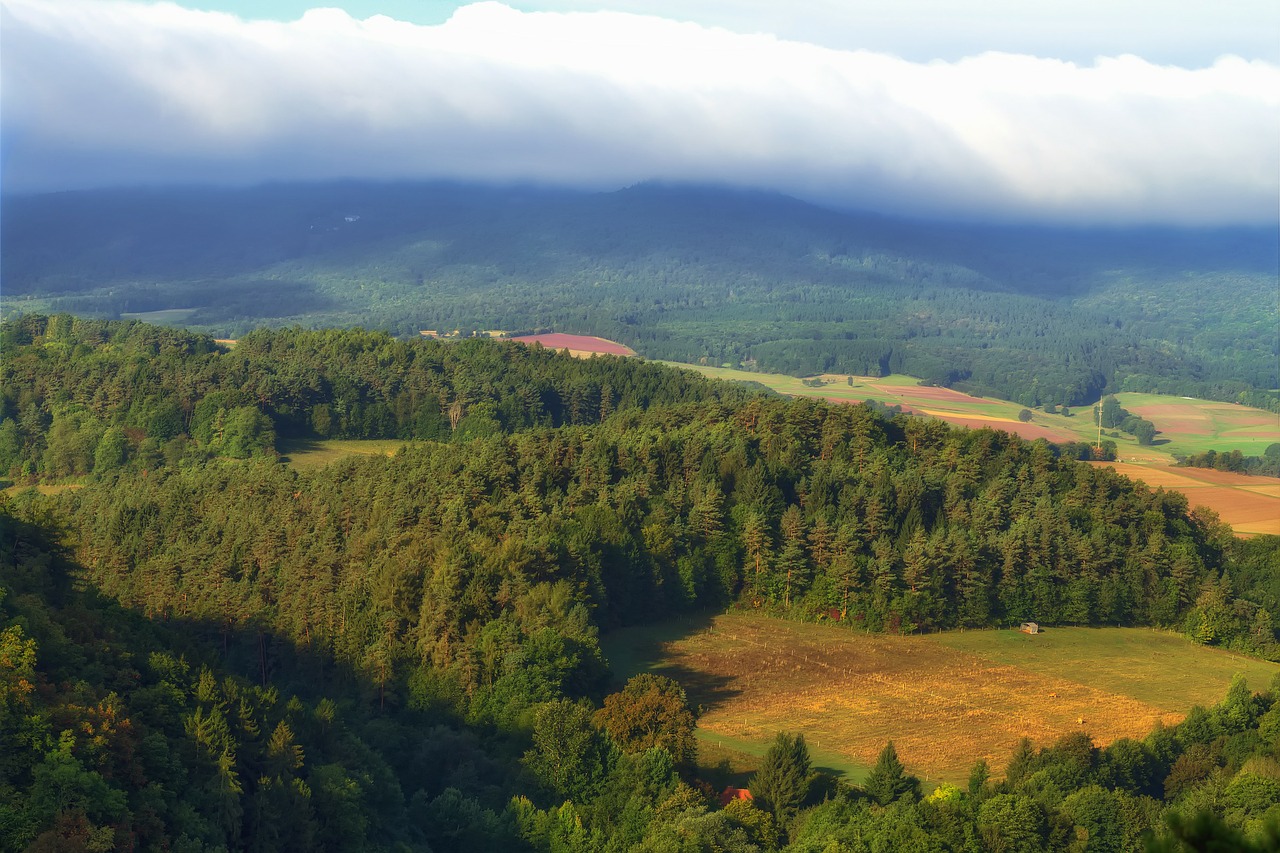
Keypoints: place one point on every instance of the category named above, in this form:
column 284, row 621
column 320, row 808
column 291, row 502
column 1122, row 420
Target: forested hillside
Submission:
column 436, row 614
column 1036, row 315
column 84, row 395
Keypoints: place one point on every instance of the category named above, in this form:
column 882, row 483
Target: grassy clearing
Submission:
column 1155, row 667
column 945, row 700
column 166, row 316
column 305, row 455
column 44, row 488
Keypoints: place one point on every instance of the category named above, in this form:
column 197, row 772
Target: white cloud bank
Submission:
column 98, row 93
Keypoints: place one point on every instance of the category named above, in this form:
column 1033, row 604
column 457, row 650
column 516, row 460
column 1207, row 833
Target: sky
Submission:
column 1050, row 111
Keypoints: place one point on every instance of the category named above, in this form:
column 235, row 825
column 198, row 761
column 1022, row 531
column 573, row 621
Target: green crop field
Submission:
column 945, row 700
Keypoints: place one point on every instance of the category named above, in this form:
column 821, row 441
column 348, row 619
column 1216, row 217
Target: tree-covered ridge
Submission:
column 496, row 560
column 1040, row 316
column 85, row 395
column 123, row 733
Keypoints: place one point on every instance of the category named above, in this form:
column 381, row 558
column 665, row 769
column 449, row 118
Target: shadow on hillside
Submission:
column 643, row 648
column 288, row 447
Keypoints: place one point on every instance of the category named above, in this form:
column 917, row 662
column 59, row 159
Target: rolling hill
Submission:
column 697, row 275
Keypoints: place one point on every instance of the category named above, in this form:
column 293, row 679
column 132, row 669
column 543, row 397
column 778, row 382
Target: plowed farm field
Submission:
column 1251, row 505
column 582, row 346
column 945, row 700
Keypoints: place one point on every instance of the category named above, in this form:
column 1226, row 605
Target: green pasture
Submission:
column 1225, row 424
column 1163, row 669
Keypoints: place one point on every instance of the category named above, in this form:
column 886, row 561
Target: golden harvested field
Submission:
column 945, row 700
column 1251, row 505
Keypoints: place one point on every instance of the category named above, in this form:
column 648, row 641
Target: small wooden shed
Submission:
column 1030, row 628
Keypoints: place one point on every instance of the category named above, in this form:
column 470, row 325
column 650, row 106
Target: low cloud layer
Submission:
column 107, row 93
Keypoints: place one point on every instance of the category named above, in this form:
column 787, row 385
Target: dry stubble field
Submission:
column 945, row 700
column 1250, row 504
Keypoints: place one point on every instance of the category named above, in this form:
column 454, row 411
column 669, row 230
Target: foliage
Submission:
column 396, row 653
column 888, row 780
column 782, row 783
column 1266, row 465
column 650, row 711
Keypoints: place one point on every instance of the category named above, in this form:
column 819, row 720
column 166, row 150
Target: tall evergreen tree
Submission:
column 782, row 782
column 889, row 780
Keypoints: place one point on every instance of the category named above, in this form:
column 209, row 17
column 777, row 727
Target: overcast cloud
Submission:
column 101, row 93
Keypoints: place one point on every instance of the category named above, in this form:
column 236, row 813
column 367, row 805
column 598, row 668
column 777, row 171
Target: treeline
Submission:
column 1267, row 465
column 80, row 396
column 1111, row 415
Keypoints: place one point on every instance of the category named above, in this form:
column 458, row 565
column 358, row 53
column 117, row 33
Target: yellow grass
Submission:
column 945, row 700
column 44, row 489
column 938, row 413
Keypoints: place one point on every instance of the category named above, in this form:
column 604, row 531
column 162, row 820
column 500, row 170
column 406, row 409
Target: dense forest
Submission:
column 120, row 732
column 88, row 395
column 1040, row 316
column 206, row 649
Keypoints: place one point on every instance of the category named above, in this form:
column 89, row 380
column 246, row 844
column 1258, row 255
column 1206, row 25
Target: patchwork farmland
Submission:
column 945, row 700
column 1250, row 504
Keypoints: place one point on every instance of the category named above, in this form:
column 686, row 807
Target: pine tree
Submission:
column 889, row 780
column 782, row 782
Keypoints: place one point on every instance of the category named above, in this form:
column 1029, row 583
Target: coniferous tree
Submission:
column 781, row 785
column 889, row 781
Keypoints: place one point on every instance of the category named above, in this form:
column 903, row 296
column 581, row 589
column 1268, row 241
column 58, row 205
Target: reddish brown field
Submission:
column 1027, row 431
column 1251, row 505
column 577, row 344
column 929, row 392
column 1205, row 418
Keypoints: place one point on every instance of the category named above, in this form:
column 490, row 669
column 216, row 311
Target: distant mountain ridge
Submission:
column 683, row 272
